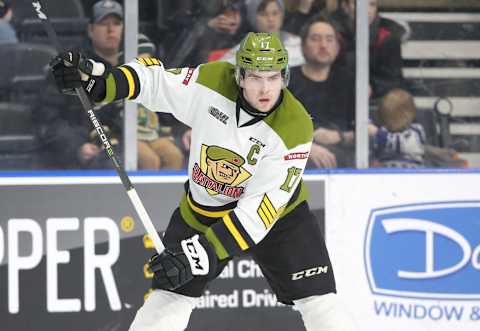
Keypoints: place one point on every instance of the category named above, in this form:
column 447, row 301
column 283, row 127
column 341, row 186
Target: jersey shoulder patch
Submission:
column 292, row 123
column 219, row 76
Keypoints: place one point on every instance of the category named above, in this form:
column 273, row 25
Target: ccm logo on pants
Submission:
column 309, row 272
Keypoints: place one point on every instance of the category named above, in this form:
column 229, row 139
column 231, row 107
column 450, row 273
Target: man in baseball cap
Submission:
column 105, row 8
column 106, row 29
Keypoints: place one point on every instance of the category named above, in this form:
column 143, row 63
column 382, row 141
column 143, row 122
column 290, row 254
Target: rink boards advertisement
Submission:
column 73, row 253
column 406, row 249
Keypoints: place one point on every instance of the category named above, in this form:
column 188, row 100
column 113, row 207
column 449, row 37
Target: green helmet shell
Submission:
column 262, row 51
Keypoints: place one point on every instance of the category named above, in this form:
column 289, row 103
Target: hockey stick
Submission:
column 88, row 107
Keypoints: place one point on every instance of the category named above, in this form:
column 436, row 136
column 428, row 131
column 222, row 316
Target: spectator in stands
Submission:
column 64, row 128
column 7, row 32
column 156, row 147
column 328, row 94
column 299, row 12
column 228, row 20
column 218, row 26
column 385, row 46
column 399, row 142
column 105, row 31
column 267, row 16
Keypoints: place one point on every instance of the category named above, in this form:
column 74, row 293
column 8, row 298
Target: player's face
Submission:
column 321, row 45
column 106, row 35
column 270, row 19
column 262, row 88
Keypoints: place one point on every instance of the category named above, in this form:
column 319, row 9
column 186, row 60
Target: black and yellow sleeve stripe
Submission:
column 121, row 83
column 267, row 212
column 231, row 233
column 148, row 61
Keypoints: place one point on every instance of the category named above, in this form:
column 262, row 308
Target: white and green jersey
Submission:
column 244, row 172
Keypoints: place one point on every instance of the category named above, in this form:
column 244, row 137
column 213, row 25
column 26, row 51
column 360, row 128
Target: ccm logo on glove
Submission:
column 197, row 256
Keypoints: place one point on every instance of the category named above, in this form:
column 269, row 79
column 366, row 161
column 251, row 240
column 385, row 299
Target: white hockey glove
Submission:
column 72, row 70
column 176, row 267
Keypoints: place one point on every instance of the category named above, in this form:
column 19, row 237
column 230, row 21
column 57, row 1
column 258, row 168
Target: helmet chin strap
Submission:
column 249, row 109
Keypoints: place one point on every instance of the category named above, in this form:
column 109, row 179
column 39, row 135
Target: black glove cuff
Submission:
column 212, row 255
column 95, row 88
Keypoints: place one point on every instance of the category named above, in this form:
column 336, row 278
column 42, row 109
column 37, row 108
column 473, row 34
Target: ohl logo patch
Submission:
column 427, row 250
column 220, row 171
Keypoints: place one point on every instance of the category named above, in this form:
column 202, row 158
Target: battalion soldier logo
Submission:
column 220, row 171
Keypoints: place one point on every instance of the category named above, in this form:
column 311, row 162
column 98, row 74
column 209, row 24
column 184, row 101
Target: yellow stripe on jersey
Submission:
column 267, row 212
column 235, row 233
column 141, row 60
column 148, row 61
column 270, row 217
column 131, row 83
column 203, row 212
column 269, row 206
column 263, row 217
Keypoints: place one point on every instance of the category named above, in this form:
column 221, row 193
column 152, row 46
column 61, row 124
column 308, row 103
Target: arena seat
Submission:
column 441, row 61
column 17, row 140
column 26, row 73
column 67, row 17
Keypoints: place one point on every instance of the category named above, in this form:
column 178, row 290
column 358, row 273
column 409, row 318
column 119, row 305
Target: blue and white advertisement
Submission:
column 406, row 249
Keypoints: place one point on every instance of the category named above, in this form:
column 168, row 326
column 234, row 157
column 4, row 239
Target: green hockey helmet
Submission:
column 262, row 51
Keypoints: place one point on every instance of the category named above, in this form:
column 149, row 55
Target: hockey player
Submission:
column 250, row 143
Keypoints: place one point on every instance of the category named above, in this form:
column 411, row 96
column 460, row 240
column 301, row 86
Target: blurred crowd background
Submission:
column 424, row 95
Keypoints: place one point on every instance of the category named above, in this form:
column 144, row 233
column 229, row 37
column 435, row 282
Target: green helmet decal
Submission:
column 262, row 51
